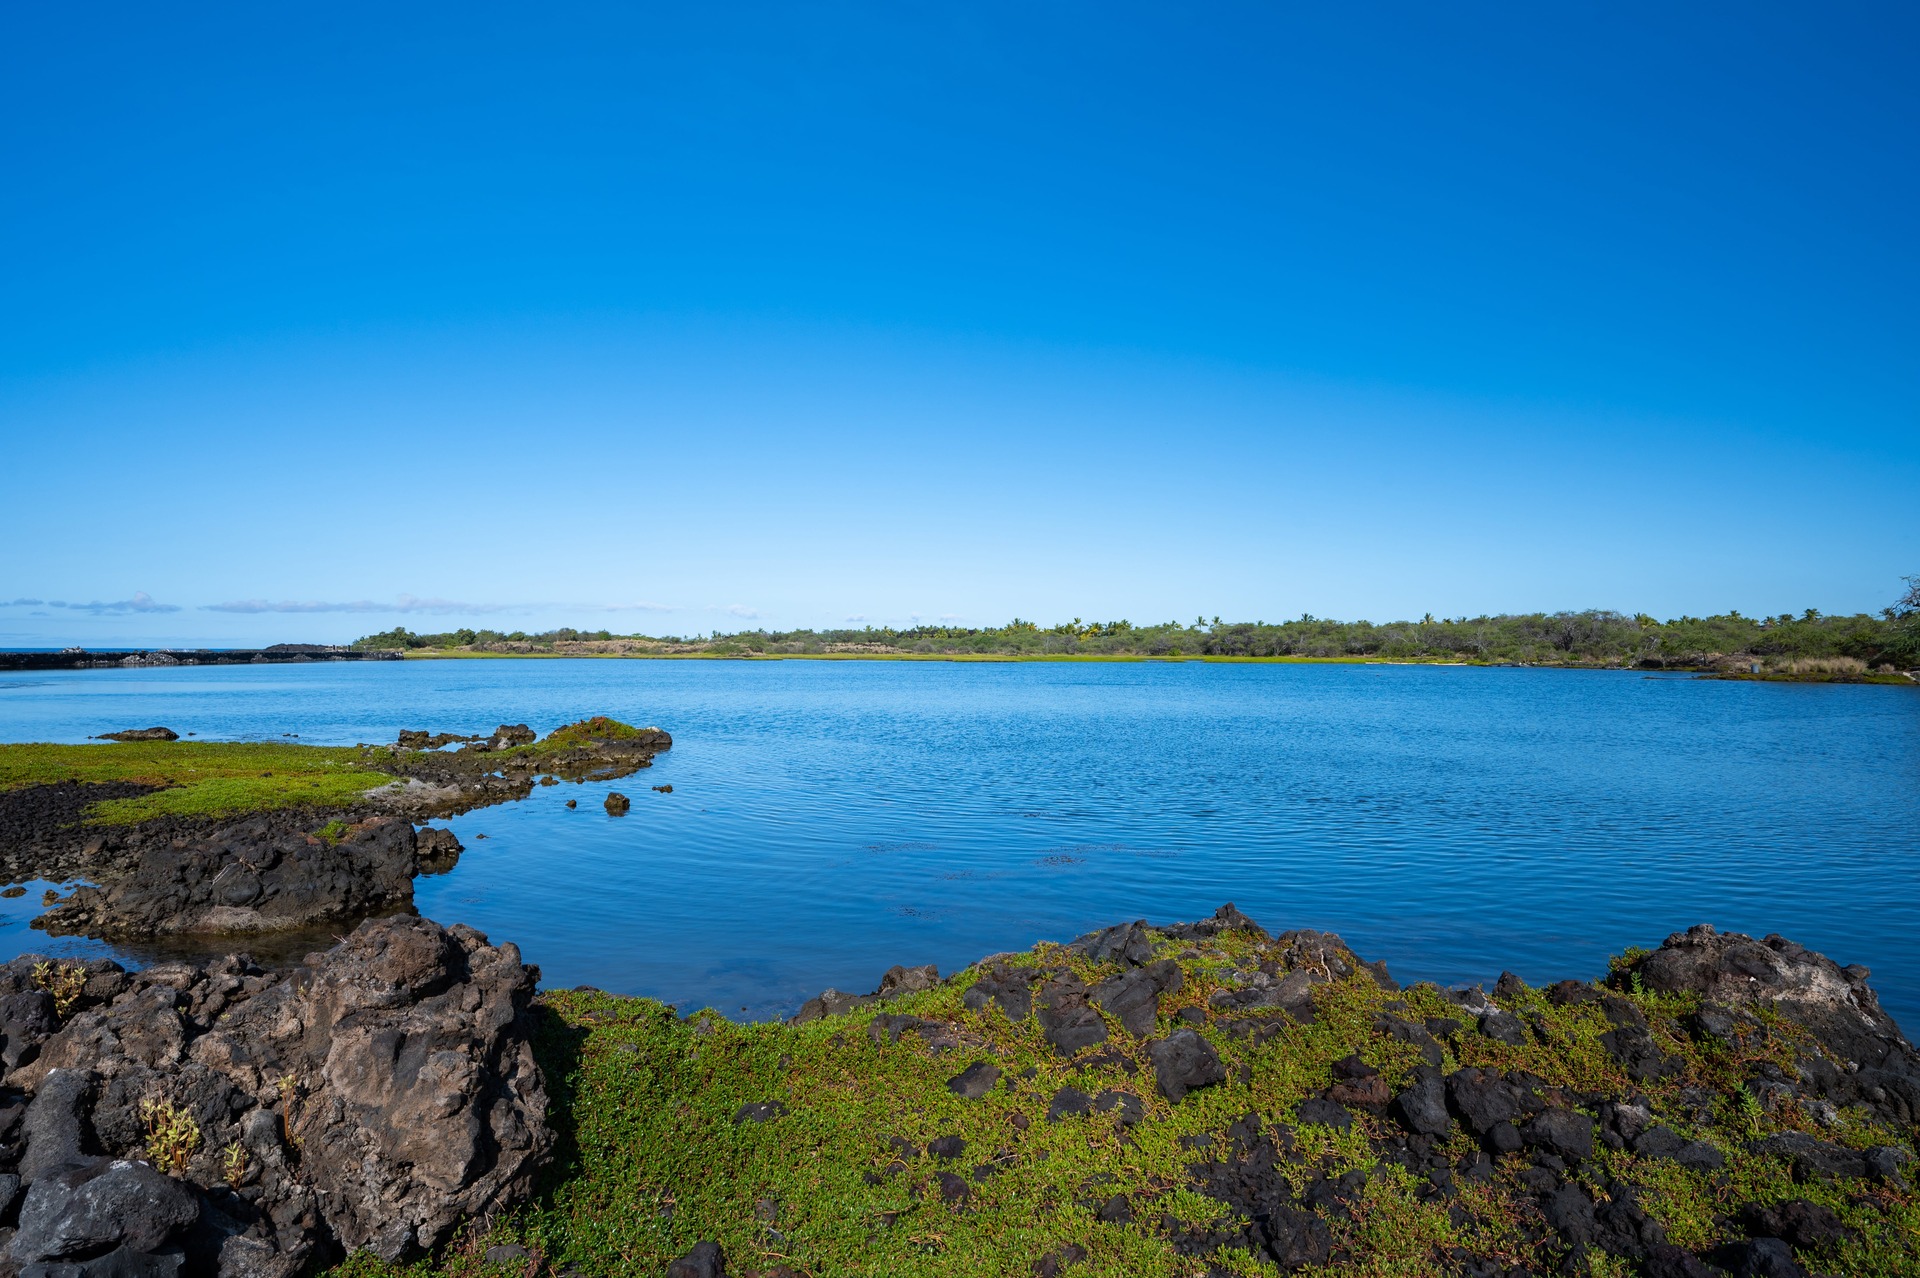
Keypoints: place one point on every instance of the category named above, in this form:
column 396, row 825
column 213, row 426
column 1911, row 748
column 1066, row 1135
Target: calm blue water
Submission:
column 830, row 819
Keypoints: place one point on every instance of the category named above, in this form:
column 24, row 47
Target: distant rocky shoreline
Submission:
column 130, row 658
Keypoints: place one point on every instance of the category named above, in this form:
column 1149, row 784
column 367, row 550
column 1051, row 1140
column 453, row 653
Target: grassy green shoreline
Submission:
column 866, row 1159
column 1893, row 679
column 1805, row 647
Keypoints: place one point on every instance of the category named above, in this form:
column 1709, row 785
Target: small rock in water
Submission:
column 618, row 803
column 573, row 803
column 663, row 789
column 513, row 734
column 141, row 734
column 15, row 890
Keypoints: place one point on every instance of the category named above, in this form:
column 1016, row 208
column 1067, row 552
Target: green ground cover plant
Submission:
column 872, row 1164
column 198, row 778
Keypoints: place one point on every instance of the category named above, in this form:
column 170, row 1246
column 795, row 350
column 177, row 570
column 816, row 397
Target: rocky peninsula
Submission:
column 181, row 839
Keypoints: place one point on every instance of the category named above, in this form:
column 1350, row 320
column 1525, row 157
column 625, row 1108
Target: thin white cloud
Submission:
column 860, row 620
column 403, row 604
column 416, row 604
column 141, row 602
column 741, row 611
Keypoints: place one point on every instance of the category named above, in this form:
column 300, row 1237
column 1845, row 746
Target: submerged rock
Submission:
column 141, row 734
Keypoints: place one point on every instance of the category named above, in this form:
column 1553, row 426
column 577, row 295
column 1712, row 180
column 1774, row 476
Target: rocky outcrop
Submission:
column 285, row 870
column 1867, row 1060
column 896, row 981
column 436, row 849
column 507, row 764
column 1544, row 1139
column 221, row 1119
column 141, row 734
column 1557, row 1106
column 259, row 875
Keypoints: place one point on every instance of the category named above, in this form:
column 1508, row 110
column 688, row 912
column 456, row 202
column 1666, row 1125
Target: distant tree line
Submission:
column 1592, row 637
column 401, row 637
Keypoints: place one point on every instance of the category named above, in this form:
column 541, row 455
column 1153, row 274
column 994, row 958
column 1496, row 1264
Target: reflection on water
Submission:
column 830, row 819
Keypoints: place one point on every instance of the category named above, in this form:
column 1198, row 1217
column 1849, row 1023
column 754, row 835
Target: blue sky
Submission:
column 321, row 320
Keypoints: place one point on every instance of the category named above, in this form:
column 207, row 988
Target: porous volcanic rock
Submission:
column 1878, row 1067
column 372, row 1098
column 260, row 875
column 895, row 982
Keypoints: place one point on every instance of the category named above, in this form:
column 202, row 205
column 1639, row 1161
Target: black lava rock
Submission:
column 1669, row 1261
column 86, row 1208
column 1504, row 1027
column 1482, row 1099
column 1133, row 997
column 975, row 1081
column 1184, row 1062
column 1324, row 1113
column 705, row 1261
column 1422, row 1106
column 1760, row 1258
column 1126, row 944
column 1069, row 1102
column 947, row 1147
column 1296, row 1239
column 759, row 1112
column 1561, row 1132
column 1067, row 1020
column 1799, row 1222
column 1004, row 987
